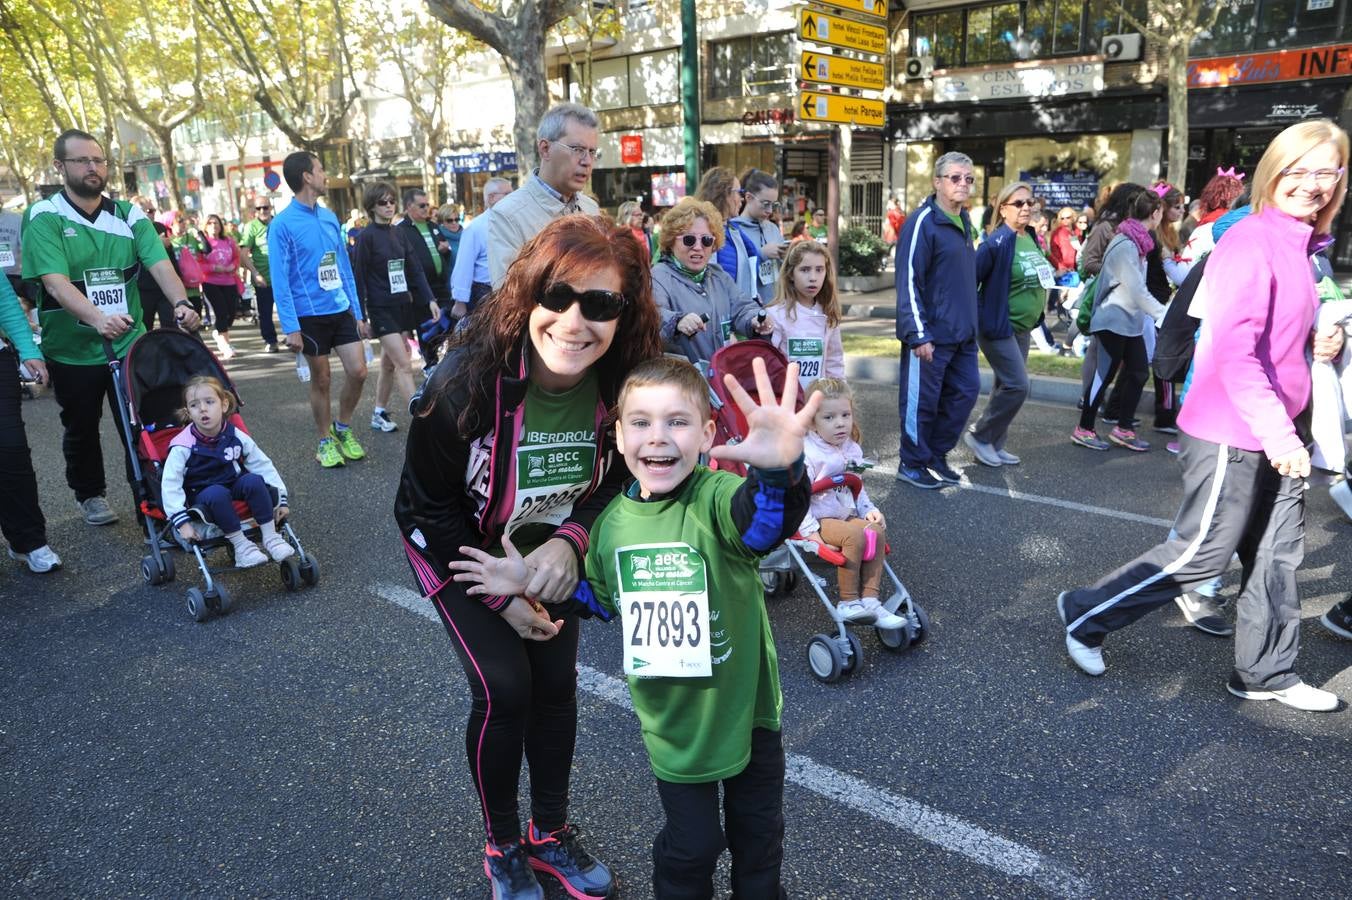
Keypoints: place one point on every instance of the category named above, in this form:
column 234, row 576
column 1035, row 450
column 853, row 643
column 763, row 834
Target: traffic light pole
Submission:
column 690, row 92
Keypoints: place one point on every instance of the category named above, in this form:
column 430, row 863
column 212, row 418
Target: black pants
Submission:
column 154, row 303
column 686, row 850
column 21, row 518
column 224, row 300
column 1233, row 501
column 266, row 327
column 80, row 393
column 1115, row 353
column 1166, row 404
column 523, row 698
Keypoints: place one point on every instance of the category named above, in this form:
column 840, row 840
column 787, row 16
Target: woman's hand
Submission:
column 553, row 571
column 875, row 517
column 1328, row 344
column 690, row 324
column 492, row 576
column 774, row 438
column 1295, row 464
column 530, row 620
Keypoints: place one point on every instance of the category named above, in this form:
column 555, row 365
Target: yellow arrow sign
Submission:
column 867, row 7
column 836, row 31
column 824, row 68
column 858, row 111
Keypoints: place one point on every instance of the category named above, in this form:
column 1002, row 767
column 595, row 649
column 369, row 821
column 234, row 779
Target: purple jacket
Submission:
column 1251, row 377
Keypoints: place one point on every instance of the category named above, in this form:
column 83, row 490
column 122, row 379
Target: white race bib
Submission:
column 808, row 353
column 767, row 271
column 106, row 290
column 1045, row 276
column 549, row 479
column 398, row 283
column 329, row 279
column 6, row 255
column 664, row 608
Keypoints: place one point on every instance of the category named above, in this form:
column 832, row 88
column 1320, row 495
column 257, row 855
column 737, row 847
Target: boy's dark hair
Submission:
column 71, row 134
column 668, row 370
column 754, row 181
column 296, row 166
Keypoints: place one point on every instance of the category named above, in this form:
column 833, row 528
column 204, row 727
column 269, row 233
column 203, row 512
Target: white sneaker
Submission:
column 882, row 618
column 1298, row 696
column 1006, row 457
column 1342, row 495
column 97, row 511
column 1089, row 659
column 278, row 548
column 248, row 555
column 854, row 611
column 40, row 561
column 985, row 453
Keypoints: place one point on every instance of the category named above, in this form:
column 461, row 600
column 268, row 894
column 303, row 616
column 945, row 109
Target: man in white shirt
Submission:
column 470, row 280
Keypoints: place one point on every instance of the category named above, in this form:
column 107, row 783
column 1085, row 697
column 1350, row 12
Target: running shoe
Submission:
column 381, row 421
column 1166, row 429
column 272, row 348
column 1173, row 447
column 328, row 455
column 879, row 616
column 1204, row 614
column 1087, row 438
column 985, row 453
column 248, row 554
column 920, row 478
column 944, row 472
column 278, row 547
column 1298, row 696
column 97, row 511
column 1007, row 458
column 854, row 611
column 40, row 561
column 347, row 442
column 560, row 854
column 1108, row 420
column 509, row 873
column 1337, row 620
column 1089, row 659
column 1123, row 437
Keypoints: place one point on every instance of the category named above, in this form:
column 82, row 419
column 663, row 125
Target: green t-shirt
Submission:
column 1027, row 296
column 431, row 243
column 100, row 255
column 255, row 238
column 555, row 461
column 695, row 729
column 956, row 219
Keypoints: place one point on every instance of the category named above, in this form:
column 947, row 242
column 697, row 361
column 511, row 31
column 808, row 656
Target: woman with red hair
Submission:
column 1216, row 198
column 511, row 444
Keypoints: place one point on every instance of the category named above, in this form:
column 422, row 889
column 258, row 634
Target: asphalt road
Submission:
column 311, row 744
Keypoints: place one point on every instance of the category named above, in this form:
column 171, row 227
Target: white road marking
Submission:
column 926, row 823
column 1011, row 494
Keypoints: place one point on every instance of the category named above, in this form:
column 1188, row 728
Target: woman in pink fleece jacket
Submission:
column 1244, row 462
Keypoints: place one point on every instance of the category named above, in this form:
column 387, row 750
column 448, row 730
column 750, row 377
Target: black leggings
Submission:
column 224, row 300
column 21, row 518
column 523, row 698
column 1116, row 352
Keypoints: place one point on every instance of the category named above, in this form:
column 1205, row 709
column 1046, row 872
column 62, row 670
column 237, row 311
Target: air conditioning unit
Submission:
column 918, row 67
column 1121, row 48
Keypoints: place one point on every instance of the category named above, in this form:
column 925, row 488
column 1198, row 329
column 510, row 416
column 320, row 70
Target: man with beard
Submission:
column 84, row 251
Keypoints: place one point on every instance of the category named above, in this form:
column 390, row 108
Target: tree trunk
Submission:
column 1177, row 53
column 429, row 158
column 164, row 141
column 531, row 89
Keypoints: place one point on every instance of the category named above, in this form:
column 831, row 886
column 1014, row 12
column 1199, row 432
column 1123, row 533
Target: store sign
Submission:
column 476, row 162
column 194, row 184
column 1028, row 80
column 1265, row 68
column 631, row 149
column 783, row 116
column 1074, row 189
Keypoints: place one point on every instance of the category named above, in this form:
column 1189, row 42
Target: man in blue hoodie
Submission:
column 936, row 324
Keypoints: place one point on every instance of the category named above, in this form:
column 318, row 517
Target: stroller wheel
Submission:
column 893, row 639
column 220, row 598
column 855, row 661
column 309, row 570
column 197, row 605
column 168, row 571
column 790, row 583
column 150, row 571
column 923, row 618
column 825, row 658
column 290, row 570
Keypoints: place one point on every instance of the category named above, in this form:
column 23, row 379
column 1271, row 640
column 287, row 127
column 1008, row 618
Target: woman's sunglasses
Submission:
column 706, row 240
column 1019, row 204
column 597, row 306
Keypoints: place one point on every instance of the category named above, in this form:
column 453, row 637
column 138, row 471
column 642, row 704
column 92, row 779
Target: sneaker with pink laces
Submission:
column 1128, row 439
column 1087, row 438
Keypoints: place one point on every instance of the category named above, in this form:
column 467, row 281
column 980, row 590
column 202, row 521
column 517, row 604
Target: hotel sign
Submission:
column 1266, row 68
column 1024, row 80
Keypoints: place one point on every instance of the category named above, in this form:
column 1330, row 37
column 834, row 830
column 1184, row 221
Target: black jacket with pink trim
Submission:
column 436, row 511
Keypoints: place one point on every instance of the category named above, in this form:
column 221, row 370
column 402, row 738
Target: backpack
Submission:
column 1176, row 338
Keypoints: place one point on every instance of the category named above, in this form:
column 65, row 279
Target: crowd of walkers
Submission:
column 555, row 462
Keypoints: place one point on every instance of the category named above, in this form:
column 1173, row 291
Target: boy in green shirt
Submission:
column 702, row 667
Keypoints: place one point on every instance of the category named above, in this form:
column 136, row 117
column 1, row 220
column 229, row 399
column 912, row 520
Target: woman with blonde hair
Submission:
column 1244, row 461
column 630, row 215
column 736, row 255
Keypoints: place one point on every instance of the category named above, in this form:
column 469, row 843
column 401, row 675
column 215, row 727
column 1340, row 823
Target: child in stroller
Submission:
column 211, row 464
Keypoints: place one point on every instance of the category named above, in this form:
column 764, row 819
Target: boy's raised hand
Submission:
column 494, row 577
column 774, row 438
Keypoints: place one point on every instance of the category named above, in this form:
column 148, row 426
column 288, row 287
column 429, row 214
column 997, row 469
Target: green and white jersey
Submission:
column 101, row 255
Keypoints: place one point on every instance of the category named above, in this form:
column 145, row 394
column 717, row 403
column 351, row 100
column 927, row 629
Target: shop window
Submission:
column 1067, row 38
column 939, row 36
column 1232, row 32
column 751, row 66
column 1105, row 18
column 1030, row 29
column 610, row 83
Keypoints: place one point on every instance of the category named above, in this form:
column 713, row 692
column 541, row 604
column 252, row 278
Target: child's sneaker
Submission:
column 880, row 616
column 328, row 455
column 854, row 611
column 347, row 442
column 247, row 555
column 1087, row 438
column 1127, row 438
column 278, row 548
column 509, row 873
column 560, row 853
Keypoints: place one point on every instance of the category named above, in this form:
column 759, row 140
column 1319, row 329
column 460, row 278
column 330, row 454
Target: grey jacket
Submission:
column 717, row 297
column 1121, row 301
column 520, row 216
column 762, row 233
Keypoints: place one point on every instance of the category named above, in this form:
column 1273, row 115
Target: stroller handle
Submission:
column 848, row 479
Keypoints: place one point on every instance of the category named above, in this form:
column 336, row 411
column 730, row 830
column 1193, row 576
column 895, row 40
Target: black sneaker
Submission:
column 944, row 472
column 920, row 478
column 1339, row 619
column 509, row 872
column 1204, row 614
column 561, row 854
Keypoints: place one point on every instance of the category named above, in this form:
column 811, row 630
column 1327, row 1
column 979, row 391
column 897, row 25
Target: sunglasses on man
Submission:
column 596, row 306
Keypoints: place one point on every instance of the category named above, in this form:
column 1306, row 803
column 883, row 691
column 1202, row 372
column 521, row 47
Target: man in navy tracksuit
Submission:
column 936, row 324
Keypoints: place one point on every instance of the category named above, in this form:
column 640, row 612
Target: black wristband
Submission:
column 183, row 303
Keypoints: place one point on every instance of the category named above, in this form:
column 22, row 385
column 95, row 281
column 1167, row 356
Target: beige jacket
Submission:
column 520, row 216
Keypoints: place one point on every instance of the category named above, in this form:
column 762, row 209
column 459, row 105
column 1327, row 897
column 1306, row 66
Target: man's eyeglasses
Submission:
column 959, row 179
column 581, row 153
column 97, row 162
column 596, row 306
column 706, row 240
column 266, row 208
column 1321, row 177
column 420, row 205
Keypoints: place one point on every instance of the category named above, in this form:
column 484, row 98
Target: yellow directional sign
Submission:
column 836, row 31
column 824, row 68
column 867, row 7
column 858, row 111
